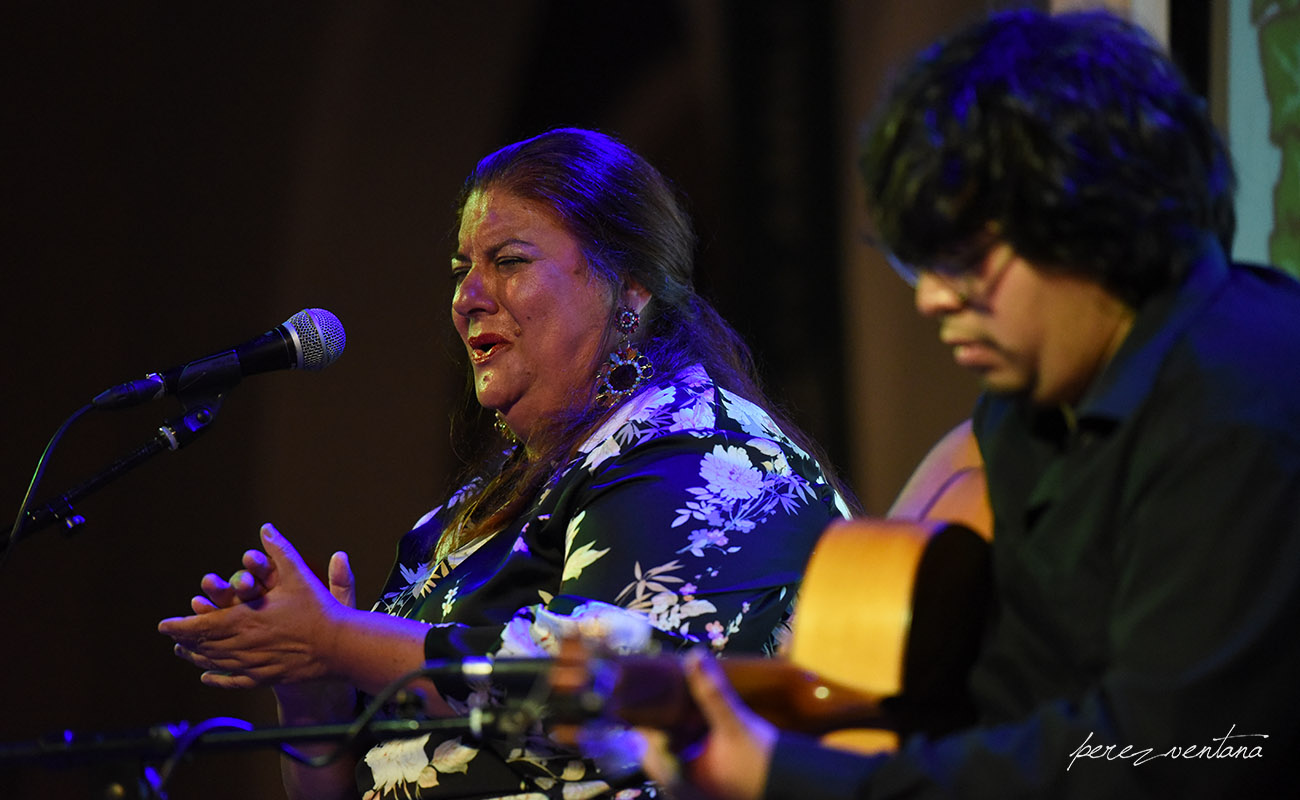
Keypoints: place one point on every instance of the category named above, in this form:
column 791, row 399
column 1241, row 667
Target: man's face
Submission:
column 1025, row 330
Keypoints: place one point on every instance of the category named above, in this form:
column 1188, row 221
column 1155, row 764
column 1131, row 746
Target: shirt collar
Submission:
column 1126, row 381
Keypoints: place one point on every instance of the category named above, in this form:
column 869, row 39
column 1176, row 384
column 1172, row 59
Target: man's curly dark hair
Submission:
column 1073, row 137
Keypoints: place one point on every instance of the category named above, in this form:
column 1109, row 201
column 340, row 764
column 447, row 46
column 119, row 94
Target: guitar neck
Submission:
column 652, row 691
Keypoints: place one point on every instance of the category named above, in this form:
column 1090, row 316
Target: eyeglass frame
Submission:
column 963, row 278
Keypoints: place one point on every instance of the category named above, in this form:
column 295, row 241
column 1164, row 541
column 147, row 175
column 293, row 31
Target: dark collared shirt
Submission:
column 1147, row 565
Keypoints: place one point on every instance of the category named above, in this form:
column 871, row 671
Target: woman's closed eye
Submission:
column 507, row 263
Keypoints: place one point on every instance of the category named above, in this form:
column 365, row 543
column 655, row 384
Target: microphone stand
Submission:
column 169, row 742
column 201, row 389
column 173, row 434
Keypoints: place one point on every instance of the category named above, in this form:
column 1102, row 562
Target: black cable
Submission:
column 533, row 706
column 41, row 464
column 358, row 726
column 157, row 779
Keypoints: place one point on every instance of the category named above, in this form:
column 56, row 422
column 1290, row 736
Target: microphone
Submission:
column 311, row 340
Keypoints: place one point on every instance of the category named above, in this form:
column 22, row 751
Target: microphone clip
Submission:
column 198, row 383
column 205, row 382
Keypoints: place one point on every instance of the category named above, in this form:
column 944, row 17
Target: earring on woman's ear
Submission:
column 627, row 368
column 504, row 429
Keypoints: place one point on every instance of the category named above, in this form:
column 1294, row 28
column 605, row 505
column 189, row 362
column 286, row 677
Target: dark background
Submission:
column 182, row 176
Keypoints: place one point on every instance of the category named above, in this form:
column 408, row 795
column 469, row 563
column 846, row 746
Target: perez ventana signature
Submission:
column 1225, row 746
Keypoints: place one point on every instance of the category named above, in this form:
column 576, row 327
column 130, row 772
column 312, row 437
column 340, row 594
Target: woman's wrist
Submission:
column 341, row 627
column 368, row 649
column 315, row 702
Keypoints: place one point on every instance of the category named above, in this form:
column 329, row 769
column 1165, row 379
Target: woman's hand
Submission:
column 245, row 586
column 272, row 623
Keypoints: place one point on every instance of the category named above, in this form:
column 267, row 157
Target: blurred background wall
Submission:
column 182, row 176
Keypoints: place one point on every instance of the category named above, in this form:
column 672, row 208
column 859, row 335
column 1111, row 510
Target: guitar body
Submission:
column 896, row 607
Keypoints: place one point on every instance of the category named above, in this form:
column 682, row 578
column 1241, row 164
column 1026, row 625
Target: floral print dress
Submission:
column 688, row 508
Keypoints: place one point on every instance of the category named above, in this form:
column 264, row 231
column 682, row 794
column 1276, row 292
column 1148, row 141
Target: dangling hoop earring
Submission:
column 627, row 368
column 504, row 429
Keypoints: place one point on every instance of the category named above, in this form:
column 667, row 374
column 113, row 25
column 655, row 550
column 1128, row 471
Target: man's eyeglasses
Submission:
column 968, row 277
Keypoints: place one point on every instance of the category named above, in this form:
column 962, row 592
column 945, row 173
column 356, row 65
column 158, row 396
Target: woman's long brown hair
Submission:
column 632, row 227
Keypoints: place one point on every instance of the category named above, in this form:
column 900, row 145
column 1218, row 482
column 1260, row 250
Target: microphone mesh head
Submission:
column 321, row 336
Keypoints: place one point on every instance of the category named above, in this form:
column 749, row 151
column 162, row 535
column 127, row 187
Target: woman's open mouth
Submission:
column 484, row 345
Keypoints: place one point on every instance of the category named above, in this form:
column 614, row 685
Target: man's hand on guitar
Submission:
column 731, row 762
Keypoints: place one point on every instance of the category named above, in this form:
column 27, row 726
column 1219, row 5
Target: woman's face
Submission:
column 530, row 311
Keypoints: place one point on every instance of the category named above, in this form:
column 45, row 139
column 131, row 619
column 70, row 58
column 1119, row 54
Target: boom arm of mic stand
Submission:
column 159, row 742
column 169, row 743
column 171, row 435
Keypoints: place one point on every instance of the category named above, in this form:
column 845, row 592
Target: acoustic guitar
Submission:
column 888, row 623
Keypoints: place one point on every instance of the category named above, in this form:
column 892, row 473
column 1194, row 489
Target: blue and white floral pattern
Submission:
column 688, row 515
